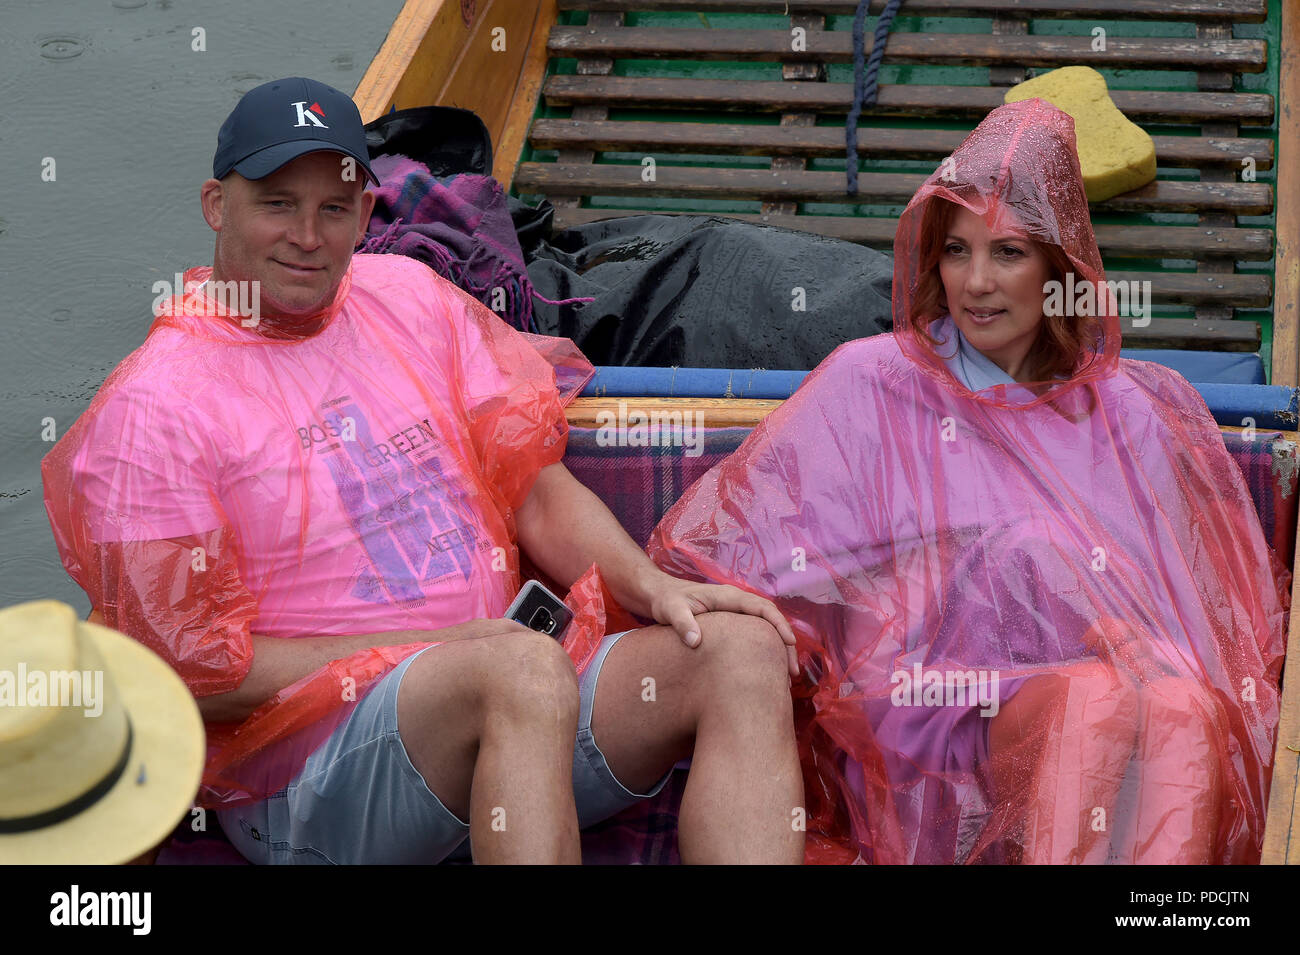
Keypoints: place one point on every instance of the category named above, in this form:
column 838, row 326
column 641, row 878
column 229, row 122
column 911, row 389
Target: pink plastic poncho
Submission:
column 1043, row 623
column 359, row 478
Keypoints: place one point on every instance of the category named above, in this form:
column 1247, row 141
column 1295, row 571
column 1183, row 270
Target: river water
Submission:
column 118, row 95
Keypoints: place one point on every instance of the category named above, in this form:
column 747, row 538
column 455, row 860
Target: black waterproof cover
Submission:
column 704, row 291
column 446, row 139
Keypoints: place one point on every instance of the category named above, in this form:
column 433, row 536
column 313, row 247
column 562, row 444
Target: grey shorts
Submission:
column 358, row 799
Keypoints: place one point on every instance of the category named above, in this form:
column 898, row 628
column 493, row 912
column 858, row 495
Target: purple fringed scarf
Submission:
column 459, row 226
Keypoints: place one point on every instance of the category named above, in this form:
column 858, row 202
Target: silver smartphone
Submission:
column 539, row 609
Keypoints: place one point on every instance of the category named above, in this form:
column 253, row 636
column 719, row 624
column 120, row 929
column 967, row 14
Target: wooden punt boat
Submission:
column 742, row 120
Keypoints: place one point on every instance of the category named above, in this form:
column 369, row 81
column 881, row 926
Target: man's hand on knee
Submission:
column 677, row 603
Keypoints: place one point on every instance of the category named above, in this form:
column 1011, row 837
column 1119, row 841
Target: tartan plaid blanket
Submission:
column 459, row 226
column 1269, row 463
column 640, row 484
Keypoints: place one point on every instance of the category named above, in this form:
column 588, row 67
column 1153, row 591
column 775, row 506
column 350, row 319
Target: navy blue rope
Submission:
column 864, row 78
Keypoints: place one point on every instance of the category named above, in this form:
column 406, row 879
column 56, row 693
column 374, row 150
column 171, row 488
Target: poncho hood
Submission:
column 1019, row 171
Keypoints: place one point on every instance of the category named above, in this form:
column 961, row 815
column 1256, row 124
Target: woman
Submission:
column 1029, row 581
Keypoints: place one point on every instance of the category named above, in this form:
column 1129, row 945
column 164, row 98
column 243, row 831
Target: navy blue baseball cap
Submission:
column 279, row 121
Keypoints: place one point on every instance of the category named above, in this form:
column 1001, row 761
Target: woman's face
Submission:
column 994, row 288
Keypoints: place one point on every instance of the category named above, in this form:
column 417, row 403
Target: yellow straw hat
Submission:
column 101, row 744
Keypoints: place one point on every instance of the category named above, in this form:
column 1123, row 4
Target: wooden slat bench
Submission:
column 932, row 144
column 894, row 101
column 948, row 49
column 1132, row 241
column 768, row 148
column 1239, row 198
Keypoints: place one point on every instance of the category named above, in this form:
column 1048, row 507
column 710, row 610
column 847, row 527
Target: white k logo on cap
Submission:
column 305, row 114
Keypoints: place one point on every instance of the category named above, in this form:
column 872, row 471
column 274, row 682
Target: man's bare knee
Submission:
column 744, row 653
column 468, row 679
column 528, row 675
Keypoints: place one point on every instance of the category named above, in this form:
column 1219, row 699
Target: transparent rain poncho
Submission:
column 1039, row 623
column 357, row 472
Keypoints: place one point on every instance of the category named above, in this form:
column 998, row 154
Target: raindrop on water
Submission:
column 61, row 47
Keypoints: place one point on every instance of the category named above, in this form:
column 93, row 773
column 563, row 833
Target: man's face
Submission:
column 293, row 231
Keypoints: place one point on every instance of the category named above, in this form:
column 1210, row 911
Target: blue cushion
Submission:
column 1224, row 368
column 1268, row 406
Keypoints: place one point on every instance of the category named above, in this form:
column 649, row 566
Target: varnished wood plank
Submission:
column 406, row 58
column 835, row 46
column 1237, row 336
column 1236, row 289
column 1282, row 824
column 433, row 56
column 1127, row 241
column 560, row 179
column 948, row 102
column 712, row 412
column 485, row 76
column 1292, row 436
column 1282, row 828
column 790, row 140
column 1286, row 309
column 1241, row 11
column 524, row 102
column 1239, row 198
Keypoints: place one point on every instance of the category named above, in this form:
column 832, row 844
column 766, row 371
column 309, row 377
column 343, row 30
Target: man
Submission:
column 318, row 465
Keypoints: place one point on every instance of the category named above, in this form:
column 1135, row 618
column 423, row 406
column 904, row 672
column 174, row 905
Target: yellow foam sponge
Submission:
column 1115, row 154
